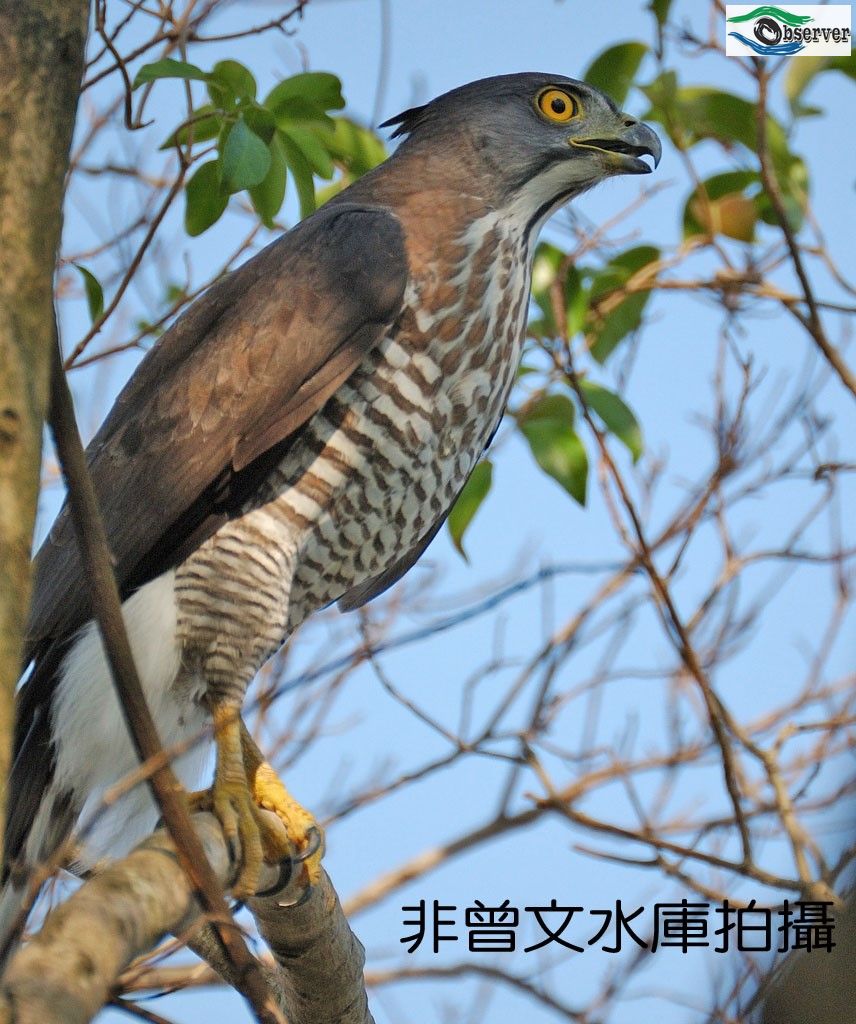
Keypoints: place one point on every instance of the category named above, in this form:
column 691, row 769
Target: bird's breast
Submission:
column 407, row 429
column 374, row 470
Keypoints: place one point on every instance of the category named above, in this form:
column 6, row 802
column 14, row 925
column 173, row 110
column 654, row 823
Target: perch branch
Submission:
column 72, row 967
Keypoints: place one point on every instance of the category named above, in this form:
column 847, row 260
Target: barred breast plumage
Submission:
column 373, row 471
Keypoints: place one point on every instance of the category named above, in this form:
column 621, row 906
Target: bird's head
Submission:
column 531, row 138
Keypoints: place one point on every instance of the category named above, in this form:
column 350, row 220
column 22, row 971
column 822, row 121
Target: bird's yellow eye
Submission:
column 557, row 105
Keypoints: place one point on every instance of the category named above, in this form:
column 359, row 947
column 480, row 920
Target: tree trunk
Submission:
column 41, row 65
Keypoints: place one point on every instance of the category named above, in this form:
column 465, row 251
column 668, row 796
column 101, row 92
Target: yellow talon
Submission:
column 269, row 793
column 244, row 787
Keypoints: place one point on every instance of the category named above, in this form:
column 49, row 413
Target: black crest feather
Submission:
column 405, row 121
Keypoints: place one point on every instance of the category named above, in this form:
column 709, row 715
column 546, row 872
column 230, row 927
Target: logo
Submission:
column 801, row 30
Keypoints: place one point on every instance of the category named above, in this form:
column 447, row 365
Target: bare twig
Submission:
column 165, row 787
column 812, row 323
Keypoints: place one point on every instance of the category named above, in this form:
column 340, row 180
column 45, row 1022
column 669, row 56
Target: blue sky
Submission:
column 432, row 47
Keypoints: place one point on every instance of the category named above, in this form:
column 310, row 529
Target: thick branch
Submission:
column 41, row 64
column 320, row 959
column 71, row 967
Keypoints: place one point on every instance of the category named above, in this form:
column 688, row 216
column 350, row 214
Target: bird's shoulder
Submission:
column 237, row 375
column 347, row 259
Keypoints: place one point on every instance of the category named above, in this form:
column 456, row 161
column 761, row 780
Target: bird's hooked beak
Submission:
column 625, row 147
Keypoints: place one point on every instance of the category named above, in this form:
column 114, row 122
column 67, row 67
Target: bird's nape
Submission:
column 534, row 138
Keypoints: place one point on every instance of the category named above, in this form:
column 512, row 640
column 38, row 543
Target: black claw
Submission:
column 232, row 847
column 286, row 867
column 304, row 896
column 313, row 847
column 286, row 870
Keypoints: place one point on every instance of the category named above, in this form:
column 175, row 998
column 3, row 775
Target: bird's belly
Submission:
column 93, row 751
column 407, row 464
column 376, row 518
column 374, row 477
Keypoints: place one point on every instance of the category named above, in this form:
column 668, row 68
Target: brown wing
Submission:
column 230, row 381
column 208, row 411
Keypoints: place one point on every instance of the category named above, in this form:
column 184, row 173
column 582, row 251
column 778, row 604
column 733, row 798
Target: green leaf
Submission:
column 799, row 73
column 168, row 68
column 205, row 124
column 661, row 92
column 316, row 90
column 692, row 114
column 358, row 148
column 609, row 321
column 660, row 10
column 317, row 155
column 794, row 185
column 260, row 120
column 576, row 301
column 355, row 149
column 616, row 416
column 800, row 109
column 802, row 72
column 205, row 199
column 268, row 195
column 613, row 70
column 622, row 267
column 548, row 426
column 299, row 112
column 545, row 269
column 733, row 216
column 548, row 407
column 302, row 174
column 613, row 329
column 244, row 159
column 468, row 502
column 728, row 219
column 719, row 185
column 94, row 292
column 545, row 266
column 234, row 79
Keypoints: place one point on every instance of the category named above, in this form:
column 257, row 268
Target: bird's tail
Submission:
column 12, row 918
column 72, row 745
column 39, row 816
column 21, row 881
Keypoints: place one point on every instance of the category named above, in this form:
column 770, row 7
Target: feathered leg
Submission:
column 233, row 597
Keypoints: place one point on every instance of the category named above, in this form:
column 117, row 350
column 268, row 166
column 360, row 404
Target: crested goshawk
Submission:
column 298, row 438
